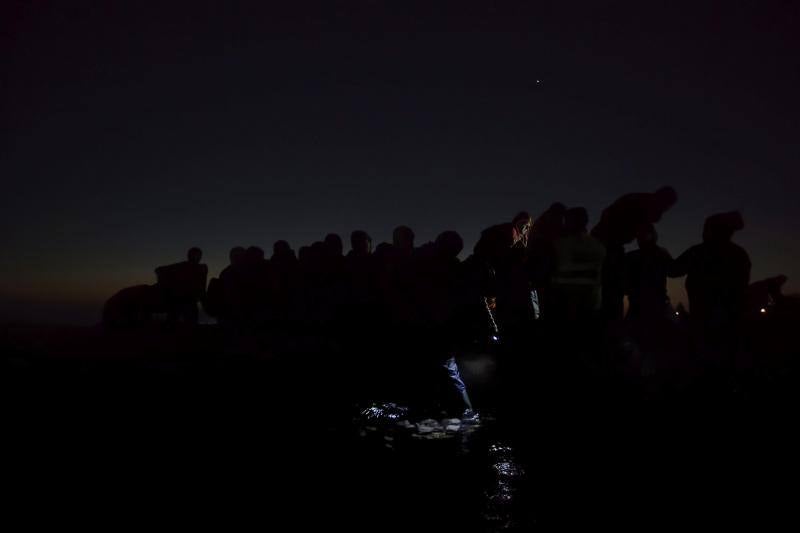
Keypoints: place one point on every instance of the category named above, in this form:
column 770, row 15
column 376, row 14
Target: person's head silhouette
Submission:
column 281, row 249
column 236, row 255
column 334, row 244
column 194, row 255
column 720, row 227
column 254, row 254
column 403, row 238
column 361, row 242
column 449, row 243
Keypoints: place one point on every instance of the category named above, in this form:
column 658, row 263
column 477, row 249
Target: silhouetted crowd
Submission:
column 529, row 285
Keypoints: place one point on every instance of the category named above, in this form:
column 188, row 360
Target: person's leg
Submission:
column 456, row 384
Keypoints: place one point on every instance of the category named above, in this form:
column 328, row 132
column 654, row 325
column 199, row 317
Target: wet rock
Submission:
column 384, row 412
column 405, row 424
column 428, row 425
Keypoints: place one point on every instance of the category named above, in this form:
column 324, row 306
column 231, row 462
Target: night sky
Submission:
column 131, row 133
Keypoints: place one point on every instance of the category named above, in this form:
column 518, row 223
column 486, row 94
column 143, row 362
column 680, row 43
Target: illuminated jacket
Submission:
column 579, row 263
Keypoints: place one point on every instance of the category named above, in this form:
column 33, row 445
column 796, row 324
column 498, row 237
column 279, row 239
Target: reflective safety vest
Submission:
column 579, row 261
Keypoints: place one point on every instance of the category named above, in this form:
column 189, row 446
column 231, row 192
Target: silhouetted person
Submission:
column 717, row 275
column 574, row 305
column 548, row 227
column 254, row 258
column 360, row 244
column 448, row 245
column 439, row 294
column 501, row 251
column 284, row 264
column 646, row 286
column 496, row 243
column 282, row 251
column 316, row 299
column 236, row 256
column 577, row 273
column 285, row 274
column 360, row 268
column 437, row 278
column 498, row 284
column 361, row 297
column 403, row 239
column 334, row 258
column 334, row 244
column 132, row 306
column 257, row 286
column 333, row 292
column 380, row 257
column 225, row 294
column 646, row 277
column 183, row 285
column 395, row 279
column 619, row 224
column 215, row 300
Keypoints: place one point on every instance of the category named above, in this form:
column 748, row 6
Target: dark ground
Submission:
column 172, row 428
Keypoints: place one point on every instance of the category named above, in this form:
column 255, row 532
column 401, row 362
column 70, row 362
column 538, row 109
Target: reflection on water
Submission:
column 395, row 422
column 390, row 426
column 501, row 494
column 385, row 412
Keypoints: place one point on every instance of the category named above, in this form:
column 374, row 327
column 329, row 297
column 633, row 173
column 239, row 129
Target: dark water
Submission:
column 489, row 466
column 201, row 439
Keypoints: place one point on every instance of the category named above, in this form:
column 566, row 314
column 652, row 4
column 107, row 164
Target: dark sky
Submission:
column 131, row 133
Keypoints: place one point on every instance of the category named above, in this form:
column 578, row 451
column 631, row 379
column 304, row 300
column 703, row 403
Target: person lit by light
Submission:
column 521, row 227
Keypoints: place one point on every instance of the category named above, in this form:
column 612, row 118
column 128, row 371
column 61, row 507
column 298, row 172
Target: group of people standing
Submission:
column 425, row 302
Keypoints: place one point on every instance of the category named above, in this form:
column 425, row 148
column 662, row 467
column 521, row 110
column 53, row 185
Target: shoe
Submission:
column 470, row 416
